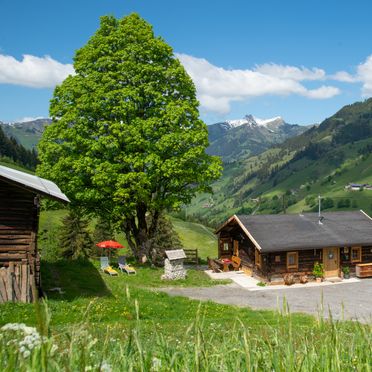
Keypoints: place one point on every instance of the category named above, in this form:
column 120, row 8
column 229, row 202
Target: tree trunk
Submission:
column 139, row 234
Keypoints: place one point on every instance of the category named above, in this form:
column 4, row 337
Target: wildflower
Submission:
column 156, row 364
column 105, row 367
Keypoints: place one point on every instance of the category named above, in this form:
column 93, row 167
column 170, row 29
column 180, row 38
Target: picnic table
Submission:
column 224, row 263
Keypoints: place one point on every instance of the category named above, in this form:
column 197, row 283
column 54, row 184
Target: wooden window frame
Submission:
column 359, row 259
column 293, row 266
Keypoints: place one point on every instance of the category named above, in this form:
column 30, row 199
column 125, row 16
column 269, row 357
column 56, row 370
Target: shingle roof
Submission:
column 33, row 183
column 285, row 232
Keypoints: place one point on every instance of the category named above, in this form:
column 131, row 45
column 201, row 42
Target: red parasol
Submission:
column 110, row 244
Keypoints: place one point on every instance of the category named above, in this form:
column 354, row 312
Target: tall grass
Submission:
column 328, row 345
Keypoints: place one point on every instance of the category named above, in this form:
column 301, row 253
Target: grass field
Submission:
column 90, row 321
column 104, row 323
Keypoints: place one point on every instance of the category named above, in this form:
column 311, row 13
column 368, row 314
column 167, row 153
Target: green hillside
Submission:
column 290, row 176
column 27, row 133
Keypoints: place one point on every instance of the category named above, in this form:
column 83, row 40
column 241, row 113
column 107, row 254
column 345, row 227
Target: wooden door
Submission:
column 331, row 262
column 236, row 248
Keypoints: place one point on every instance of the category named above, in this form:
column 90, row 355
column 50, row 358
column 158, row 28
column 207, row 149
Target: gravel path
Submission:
column 346, row 300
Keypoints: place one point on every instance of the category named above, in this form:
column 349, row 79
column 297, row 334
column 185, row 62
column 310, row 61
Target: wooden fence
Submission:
column 191, row 256
column 17, row 284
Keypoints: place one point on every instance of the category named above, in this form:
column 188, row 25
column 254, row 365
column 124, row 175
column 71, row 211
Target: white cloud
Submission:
column 36, row 72
column 364, row 74
column 291, row 72
column 218, row 87
column 344, row 77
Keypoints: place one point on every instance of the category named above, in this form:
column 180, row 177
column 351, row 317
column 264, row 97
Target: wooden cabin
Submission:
column 271, row 246
column 19, row 220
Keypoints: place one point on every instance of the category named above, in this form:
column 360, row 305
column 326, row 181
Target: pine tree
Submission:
column 75, row 239
column 166, row 238
column 102, row 231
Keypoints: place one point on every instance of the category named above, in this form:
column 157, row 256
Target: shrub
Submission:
column 318, row 270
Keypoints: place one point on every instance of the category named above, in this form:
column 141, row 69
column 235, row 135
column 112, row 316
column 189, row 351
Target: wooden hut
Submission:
column 271, row 246
column 19, row 219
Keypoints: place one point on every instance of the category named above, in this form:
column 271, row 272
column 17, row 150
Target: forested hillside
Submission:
column 12, row 151
column 289, row 176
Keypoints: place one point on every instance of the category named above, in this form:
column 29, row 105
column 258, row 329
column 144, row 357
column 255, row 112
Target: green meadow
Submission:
column 90, row 321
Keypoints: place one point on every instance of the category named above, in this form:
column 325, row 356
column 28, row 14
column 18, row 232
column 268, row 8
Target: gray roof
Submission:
column 33, row 183
column 286, row 232
column 175, row 254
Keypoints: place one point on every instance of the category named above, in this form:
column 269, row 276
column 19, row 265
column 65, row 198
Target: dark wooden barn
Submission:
column 19, row 220
column 271, row 246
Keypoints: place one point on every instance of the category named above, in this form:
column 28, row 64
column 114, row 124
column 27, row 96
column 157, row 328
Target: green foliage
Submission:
column 165, row 238
column 327, row 203
column 344, row 203
column 318, row 270
column 75, row 240
column 126, row 138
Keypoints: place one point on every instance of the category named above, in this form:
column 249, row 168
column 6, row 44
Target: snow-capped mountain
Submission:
column 251, row 120
column 234, row 139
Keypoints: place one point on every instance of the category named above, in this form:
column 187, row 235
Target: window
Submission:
column 277, row 259
column 356, row 254
column 225, row 246
column 292, row 260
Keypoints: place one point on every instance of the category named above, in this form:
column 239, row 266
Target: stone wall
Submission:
column 174, row 269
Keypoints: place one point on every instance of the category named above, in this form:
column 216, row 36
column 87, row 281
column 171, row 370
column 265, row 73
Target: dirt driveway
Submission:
column 345, row 300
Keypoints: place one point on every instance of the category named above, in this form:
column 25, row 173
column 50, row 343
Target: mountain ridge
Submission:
column 236, row 139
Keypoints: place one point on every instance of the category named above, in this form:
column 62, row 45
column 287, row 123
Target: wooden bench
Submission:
column 363, row 270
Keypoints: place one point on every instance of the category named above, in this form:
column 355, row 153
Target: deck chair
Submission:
column 124, row 267
column 236, row 261
column 106, row 268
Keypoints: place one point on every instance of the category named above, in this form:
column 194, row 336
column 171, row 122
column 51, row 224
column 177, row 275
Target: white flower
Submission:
column 156, row 364
column 26, row 353
column 105, row 367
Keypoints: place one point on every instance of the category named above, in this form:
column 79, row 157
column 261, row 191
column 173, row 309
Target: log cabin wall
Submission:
column 277, row 262
column 18, row 228
column 345, row 257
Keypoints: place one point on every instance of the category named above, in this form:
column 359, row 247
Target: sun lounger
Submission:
column 124, row 267
column 106, row 268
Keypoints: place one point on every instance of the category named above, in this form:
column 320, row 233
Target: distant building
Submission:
column 358, row 186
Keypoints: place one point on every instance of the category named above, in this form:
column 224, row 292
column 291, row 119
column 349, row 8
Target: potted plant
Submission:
column 318, row 271
column 346, row 272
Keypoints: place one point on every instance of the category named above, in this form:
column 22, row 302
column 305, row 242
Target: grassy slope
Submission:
column 304, row 178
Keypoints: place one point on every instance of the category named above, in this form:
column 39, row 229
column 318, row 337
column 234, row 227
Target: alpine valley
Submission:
column 288, row 177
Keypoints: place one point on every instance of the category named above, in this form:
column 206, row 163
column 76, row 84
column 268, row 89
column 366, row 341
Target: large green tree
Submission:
column 126, row 138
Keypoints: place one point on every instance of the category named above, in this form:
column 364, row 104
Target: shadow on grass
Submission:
column 68, row 280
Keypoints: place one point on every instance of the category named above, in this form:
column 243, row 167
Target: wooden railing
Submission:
column 192, row 256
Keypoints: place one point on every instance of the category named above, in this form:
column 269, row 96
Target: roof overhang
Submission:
column 32, row 184
column 236, row 219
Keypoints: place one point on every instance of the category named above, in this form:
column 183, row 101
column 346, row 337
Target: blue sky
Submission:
column 300, row 60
